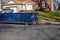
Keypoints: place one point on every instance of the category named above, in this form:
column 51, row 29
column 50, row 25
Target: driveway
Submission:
column 29, row 32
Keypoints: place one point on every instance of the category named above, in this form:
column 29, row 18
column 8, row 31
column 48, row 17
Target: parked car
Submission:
column 7, row 10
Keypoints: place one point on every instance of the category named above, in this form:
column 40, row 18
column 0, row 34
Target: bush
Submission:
column 27, row 11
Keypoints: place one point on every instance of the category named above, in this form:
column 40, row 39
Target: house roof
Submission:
column 12, row 2
column 16, row 1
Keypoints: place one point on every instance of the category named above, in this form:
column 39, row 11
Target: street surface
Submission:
column 29, row 32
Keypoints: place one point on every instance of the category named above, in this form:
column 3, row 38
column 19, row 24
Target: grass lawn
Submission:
column 52, row 15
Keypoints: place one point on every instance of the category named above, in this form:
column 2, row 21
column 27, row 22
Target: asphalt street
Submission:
column 29, row 32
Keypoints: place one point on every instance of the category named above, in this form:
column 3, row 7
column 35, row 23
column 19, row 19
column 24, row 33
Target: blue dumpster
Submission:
column 23, row 17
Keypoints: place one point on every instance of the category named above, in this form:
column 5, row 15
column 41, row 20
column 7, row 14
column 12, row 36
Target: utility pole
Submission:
column 52, row 5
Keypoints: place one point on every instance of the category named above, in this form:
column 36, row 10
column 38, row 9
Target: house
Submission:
column 59, row 6
column 56, row 5
column 18, row 5
column 46, row 4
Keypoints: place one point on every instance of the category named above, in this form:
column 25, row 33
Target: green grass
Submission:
column 50, row 14
column 55, row 15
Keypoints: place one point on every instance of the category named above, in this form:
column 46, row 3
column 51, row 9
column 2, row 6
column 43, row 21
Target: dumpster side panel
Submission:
column 18, row 17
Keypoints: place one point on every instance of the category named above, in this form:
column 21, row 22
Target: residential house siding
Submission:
column 25, row 2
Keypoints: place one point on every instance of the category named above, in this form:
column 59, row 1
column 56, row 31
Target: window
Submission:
column 46, row 4
column 22, row 7
column 29, row 6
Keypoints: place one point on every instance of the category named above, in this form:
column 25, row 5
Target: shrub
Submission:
column 27, row 11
